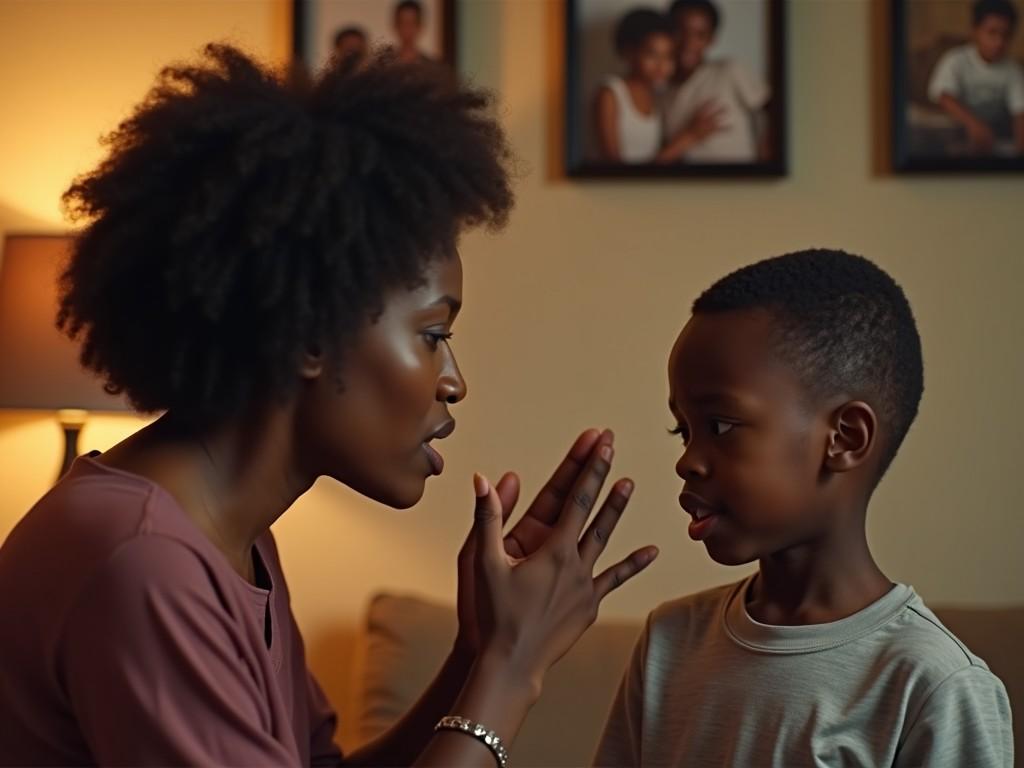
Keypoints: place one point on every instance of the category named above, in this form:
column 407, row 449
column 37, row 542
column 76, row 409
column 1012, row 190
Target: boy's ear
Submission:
column 852, row 436
column 311, row 365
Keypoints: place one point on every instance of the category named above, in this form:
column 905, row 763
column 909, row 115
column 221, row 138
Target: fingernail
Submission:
column 652, row 553
column 480, row 485
column 626, row 489
column 606, row 452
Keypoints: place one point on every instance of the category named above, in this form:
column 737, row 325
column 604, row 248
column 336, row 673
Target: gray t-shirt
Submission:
column 888, row 686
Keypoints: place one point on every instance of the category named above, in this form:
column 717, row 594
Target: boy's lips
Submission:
column 705, row 516
column 696, row 505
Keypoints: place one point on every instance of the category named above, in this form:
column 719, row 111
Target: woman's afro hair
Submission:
column 244, row 216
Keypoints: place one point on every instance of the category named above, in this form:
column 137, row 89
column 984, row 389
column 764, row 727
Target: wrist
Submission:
column 461, row 656
column 522, row 682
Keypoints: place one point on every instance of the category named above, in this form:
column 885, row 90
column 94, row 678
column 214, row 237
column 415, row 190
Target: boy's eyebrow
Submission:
column 716, row 398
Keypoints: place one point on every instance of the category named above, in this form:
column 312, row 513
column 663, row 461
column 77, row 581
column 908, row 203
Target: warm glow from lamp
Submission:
column 39, row 368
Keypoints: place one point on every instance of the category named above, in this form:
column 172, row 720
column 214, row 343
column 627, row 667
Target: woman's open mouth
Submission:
column 433, row 457
column 436, row 459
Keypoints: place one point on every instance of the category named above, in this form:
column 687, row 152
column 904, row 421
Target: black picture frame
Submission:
column 303, row 30
column 909, row 141
column 577, row 112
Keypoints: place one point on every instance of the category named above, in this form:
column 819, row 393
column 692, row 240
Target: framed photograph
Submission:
column 957, row 86
column 675, row 88
column 410, row 30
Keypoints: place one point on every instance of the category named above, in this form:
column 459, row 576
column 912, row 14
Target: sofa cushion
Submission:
column 408, row 638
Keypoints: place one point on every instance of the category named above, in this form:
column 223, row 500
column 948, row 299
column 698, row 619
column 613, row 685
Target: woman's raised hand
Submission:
column 526, row 597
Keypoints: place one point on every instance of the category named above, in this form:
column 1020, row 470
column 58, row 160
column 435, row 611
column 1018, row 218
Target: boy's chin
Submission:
column 724, row 554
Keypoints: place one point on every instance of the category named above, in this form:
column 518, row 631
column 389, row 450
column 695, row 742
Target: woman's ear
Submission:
column 312, row 364
column 852, row 436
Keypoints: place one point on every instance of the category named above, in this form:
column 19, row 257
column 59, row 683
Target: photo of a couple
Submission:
column 411, row 31
column 691, row 87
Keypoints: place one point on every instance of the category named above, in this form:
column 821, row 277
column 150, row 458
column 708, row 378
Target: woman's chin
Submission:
column 401, row 496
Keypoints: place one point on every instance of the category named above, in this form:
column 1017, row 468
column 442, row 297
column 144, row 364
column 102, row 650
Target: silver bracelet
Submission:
column 487, row 737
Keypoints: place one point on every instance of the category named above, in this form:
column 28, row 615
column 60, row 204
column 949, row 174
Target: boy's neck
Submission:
column 817, row 582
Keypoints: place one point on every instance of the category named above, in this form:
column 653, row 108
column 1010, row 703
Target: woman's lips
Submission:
column 435, row 459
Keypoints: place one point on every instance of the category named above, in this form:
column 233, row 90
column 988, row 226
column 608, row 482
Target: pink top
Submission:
column 128, row 639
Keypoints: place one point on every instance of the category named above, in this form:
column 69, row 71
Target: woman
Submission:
column 272, row 263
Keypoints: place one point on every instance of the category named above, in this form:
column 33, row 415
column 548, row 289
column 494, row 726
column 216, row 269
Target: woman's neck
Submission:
column 233, row 482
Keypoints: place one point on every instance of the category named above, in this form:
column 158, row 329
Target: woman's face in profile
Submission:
column 372, row 424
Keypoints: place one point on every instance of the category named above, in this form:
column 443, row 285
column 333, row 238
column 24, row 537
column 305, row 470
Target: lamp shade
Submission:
column 39, row 366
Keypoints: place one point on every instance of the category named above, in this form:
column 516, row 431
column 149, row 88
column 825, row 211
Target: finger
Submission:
column 584, row 494
column 549, row 502
column 600, row 530
column 508, row 493
column 487, row 522
column 616, row 575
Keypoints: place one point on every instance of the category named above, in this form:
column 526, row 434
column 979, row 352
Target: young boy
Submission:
column 793, row 385
column 627, row 114
column 980, row 87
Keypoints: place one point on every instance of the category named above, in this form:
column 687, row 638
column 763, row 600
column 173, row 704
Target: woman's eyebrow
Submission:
column 451, row 302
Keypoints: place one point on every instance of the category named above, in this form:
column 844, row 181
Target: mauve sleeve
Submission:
column 322, row 724
column 155, row 671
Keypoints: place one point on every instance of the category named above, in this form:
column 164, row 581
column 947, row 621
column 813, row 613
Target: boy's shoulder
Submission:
column 692, row 613
column 907, row 634
column 918, row 637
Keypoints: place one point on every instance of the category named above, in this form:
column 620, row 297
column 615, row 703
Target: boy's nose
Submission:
column 691, row 465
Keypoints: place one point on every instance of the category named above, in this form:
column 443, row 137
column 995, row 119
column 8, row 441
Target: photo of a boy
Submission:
column 980, row 87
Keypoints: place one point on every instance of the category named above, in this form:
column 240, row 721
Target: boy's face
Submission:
column 992, row 36
column 654, row 60
column 753, row 446
column 694, row 35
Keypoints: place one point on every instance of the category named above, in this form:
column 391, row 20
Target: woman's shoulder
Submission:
column 613, row 84
column 101, row 524
column 97, row 508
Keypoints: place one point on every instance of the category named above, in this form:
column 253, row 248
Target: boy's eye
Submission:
column 719, row 427
column 682, row 432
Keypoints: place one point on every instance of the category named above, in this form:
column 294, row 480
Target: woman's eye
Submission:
column 434, row 338
column 719, row 427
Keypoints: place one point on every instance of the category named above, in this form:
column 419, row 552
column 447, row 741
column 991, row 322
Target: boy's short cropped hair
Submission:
column 985, row 8
column 844, row 325
column 636, row 26
column 704, row 6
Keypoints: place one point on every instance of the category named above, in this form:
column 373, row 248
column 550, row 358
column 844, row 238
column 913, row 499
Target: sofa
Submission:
column 405, row 638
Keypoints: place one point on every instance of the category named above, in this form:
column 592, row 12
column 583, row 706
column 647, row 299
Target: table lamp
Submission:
column 39, row 368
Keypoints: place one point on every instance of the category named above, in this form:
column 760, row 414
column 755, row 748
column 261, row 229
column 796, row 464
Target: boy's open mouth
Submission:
column 705, row 516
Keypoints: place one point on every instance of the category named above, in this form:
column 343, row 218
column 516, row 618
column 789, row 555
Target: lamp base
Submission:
column 71, row 421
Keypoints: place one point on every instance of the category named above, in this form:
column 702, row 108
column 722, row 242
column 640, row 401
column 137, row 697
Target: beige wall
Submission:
column 572, row 310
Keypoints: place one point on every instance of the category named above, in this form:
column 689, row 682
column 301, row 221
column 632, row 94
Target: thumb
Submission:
column 487, row 520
